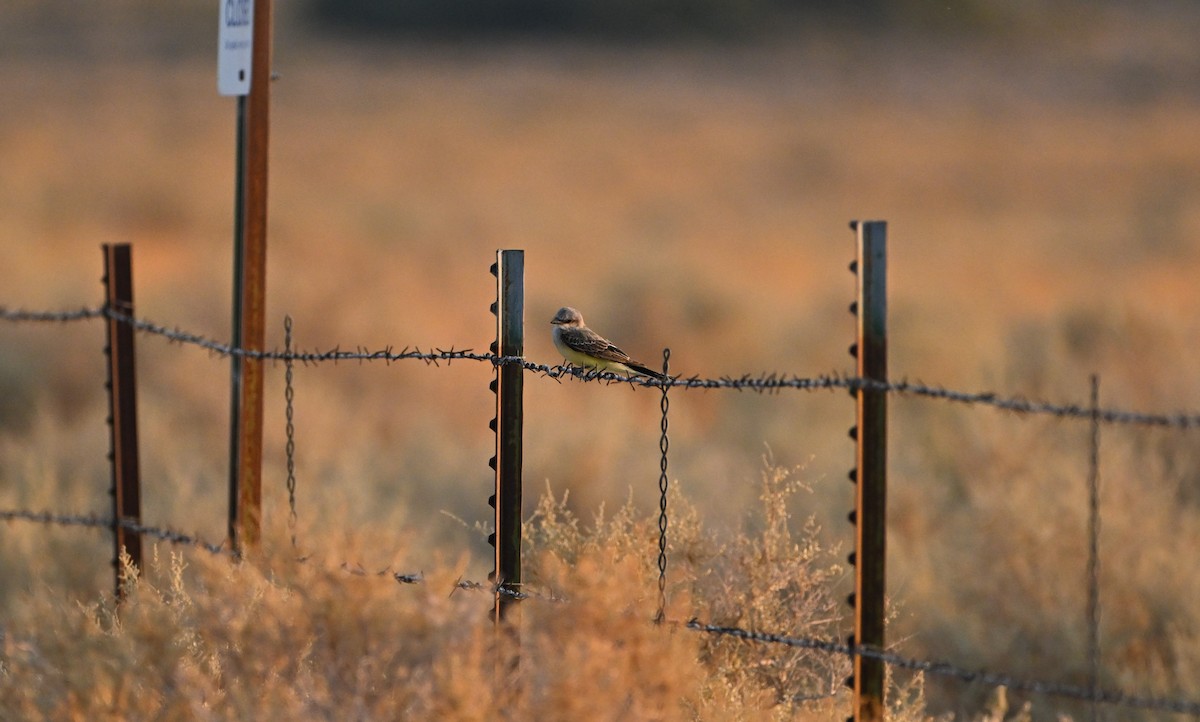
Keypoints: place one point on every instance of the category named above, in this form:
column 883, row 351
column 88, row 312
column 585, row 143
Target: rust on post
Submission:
column 246, row 492
column 122, row 400
column 508, row 425
column 870, row 475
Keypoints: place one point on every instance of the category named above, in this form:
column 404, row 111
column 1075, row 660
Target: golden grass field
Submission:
column 1043, row 197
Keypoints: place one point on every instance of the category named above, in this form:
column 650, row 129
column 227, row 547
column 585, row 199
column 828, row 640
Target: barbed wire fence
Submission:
column 767, row 383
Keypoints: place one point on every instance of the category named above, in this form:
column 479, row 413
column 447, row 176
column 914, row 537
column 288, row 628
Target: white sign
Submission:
column 234, row 43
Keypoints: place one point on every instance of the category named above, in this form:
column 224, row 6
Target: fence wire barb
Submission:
column 107, row 523
column 93, row 521
column 771, row 382
column 940, row 668
column 19, row 315
column 946, row 669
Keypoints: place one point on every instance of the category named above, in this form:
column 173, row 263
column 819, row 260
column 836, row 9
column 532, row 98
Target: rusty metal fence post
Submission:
column 509, row 308
column 122, row 408
column 870, row 469
column 250, row 271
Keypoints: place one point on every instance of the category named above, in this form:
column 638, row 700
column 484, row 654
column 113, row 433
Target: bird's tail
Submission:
column 649, row 372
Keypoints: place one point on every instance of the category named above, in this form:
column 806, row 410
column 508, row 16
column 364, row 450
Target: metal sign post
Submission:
column 235, row 42
column 242, row 22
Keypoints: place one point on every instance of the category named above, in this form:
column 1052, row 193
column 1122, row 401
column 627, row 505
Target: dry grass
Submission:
column 203, row 638
column 1042, row 195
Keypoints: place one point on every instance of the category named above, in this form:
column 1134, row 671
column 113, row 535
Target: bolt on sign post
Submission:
column 122, row 407
column 508, row 385
column 244, row 70
column 870, row 470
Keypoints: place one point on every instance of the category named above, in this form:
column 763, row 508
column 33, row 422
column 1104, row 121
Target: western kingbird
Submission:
column 584, row 347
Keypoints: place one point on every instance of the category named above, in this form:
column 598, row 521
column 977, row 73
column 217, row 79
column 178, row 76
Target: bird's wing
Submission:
column 589, row 342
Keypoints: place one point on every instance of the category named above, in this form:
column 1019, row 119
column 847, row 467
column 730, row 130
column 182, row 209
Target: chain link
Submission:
column 664, row 443
column 289, row 394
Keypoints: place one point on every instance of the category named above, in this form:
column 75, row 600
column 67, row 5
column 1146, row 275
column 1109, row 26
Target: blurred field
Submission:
column 1043, row 196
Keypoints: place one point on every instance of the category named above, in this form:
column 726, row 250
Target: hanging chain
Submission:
column 663, row 481
column 289, row 394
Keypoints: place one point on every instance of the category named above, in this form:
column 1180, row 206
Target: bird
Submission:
column 584, row 347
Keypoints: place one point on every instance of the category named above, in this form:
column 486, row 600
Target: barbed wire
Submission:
column 934, row 667
column 762, row 383
column 100, row 522
column 946, row 669
column 94, row 521
column 21, row 316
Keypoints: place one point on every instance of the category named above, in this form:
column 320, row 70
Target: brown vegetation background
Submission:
column 1040, row 174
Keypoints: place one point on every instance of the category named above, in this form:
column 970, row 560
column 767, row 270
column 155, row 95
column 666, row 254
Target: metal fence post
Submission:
column 870, row 471
column 122, row 407
column 250, row 272
column 509, row 308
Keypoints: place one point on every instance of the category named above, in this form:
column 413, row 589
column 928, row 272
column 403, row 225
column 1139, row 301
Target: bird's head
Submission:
column 567, row 316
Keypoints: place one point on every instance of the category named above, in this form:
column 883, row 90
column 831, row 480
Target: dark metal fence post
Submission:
column 870, row 472
column 122, row 406
column 509, row 308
